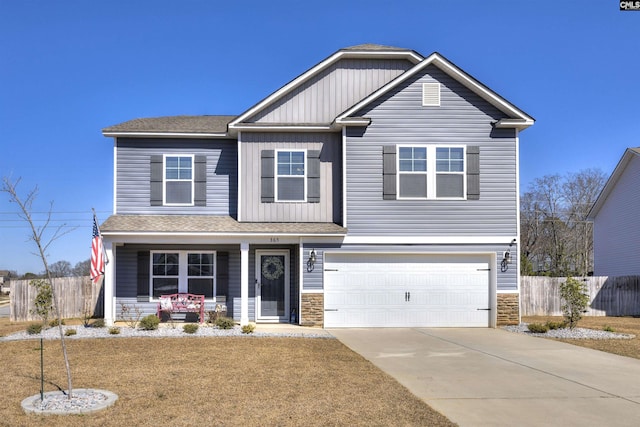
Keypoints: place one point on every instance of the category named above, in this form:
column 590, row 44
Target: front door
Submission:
column 272, row 286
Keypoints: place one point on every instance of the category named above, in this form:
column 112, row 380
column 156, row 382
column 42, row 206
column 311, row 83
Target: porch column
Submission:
column 244, row 284
column 109, row 282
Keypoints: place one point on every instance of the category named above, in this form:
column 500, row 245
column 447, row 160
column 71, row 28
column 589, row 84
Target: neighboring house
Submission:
column 616, row 238
column 378, row 188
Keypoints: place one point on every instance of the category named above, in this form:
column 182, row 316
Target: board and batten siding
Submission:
column 506, row 280
column 332, row 91
column 329, row 207
column 133, row 174
column 462, row 118
column 616, row 236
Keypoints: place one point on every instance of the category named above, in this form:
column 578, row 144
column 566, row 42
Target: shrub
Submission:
column 131, row 315
column 43, row 302
column 98, row 323
column 190, row 328
column 56, row 322
column 248, row 329
column 556, row 325
column 70, row 332
column 150, row 322
column 538, row 328
column 114, row 330
column 608, row 328
column 34, row 328
column 575, row 300
column 224, row 323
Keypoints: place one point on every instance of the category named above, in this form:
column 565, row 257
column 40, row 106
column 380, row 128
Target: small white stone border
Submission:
column 32, row 404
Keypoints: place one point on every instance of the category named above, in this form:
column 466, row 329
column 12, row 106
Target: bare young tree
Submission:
column 556, row 237
column 61, row 269
column 41, row 237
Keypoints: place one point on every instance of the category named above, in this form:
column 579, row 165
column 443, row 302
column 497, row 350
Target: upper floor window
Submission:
column 430, row 172
column 290, row 176
column 178, row 180
column 449, row 172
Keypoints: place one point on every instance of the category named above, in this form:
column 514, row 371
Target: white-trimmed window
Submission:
column 430, row 172
column 178, row 180
column 183, row 271
column 290, row 176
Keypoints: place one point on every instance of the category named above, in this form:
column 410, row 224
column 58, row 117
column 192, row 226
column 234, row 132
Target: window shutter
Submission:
column 156, row 180
column 222, row 274
column 266, row 176
column 313, row 176
column 200, row 181
column 473, row 172
column 389, row 172
column 143, row 276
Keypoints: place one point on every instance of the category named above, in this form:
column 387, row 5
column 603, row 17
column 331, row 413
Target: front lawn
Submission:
column 247, row 381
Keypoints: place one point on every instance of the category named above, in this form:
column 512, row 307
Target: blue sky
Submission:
column 70, row 68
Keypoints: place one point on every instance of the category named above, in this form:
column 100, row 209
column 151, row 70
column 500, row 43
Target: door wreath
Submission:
column 272, row 268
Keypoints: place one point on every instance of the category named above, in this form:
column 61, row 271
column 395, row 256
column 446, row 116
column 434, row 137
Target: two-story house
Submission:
column 379, row 188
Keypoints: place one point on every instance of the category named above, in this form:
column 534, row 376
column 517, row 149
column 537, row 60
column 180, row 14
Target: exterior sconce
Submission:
column 312, row 260
column 506, row 260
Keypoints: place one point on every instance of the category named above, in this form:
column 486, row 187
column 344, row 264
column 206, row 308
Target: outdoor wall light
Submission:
column 506, row 260
column 312, row 260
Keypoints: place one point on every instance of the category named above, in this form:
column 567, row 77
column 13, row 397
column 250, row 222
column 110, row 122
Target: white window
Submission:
column 431, row 172
column 183, row 271
column 290, row 176
column 178, row 180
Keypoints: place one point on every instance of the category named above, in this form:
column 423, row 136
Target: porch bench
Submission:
column 182, row 303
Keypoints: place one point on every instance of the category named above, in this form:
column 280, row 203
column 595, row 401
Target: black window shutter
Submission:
column 222, row 274
column 143, row 276
column 200, row 181
column 156, row 180
column 473, row 172
column 389, row 172
column 267, row 194
column 313, row 176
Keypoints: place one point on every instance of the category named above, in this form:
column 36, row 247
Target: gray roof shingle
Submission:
column 209, row 224
column 174, row 124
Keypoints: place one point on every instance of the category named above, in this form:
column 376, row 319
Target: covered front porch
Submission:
column 255, row 269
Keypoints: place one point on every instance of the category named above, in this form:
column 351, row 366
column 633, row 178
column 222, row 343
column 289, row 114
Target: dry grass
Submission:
column 212, row 381
column 630, row 325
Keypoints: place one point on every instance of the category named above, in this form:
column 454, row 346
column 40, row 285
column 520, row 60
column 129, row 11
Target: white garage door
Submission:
column 408, row 290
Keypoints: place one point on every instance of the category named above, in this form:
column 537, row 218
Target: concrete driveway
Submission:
column 490, row 377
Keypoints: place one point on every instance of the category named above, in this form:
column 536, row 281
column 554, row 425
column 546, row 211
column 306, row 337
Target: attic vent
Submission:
column 430, row 94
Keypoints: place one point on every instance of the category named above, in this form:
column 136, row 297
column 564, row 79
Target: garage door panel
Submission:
column 388, row 291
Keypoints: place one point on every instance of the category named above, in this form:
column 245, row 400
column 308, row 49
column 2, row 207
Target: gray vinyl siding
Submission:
column 329, row 207
column 126, row 258
column 332, row 91
column 133, row 175
column 506, row 281
column 616, row 238
column 463, row 118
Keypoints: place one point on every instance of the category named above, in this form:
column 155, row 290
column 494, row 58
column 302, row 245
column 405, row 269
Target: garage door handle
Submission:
column 484, row 309
column 330, row 309
column 407, row 296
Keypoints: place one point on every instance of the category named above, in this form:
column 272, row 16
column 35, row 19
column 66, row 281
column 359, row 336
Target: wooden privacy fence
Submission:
column 609, row 296
column 77, row 297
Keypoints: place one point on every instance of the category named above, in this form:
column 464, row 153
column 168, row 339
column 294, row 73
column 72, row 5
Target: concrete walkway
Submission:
column 490, row 377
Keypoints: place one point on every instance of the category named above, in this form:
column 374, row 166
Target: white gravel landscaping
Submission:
column 575, row 333
column 166, row 331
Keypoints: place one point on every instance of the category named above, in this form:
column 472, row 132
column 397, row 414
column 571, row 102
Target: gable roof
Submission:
column 628, row 155
column 359, row 51
column 183, row 126
column 518, row 118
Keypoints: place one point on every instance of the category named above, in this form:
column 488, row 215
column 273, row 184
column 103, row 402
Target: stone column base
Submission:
column 508, row 309
column 312, row 310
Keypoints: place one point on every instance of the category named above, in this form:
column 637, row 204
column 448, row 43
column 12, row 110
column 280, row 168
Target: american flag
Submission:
column 97, row 253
